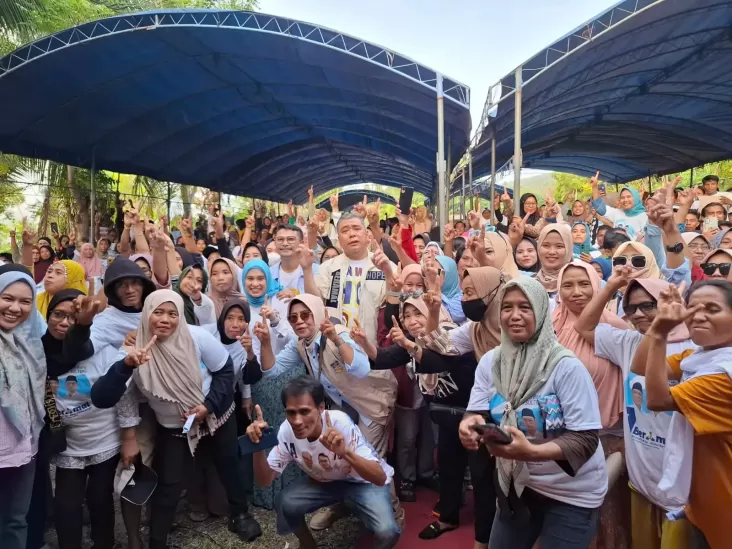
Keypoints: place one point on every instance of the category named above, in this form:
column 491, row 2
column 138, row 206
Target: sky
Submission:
column 476, row 42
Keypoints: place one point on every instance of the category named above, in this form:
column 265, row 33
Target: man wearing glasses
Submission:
column 287, row 271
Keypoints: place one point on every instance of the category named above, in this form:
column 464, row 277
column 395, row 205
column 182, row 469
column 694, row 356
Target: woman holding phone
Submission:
column 552, row 476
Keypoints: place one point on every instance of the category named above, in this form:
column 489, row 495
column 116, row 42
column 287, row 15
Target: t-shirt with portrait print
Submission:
column 351, row 304
column 567, row 401
column 316, row 460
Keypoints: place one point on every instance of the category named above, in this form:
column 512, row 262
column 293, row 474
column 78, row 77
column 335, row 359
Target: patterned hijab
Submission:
column 520, row 369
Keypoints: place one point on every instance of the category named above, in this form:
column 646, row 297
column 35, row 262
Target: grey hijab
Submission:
column 520, row 369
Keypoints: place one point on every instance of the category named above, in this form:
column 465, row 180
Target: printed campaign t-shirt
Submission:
column 351, row 303
column 567, row 401
column 316, row 460
column 645, row 431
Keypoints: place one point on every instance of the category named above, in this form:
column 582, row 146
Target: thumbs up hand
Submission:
column 332, row 439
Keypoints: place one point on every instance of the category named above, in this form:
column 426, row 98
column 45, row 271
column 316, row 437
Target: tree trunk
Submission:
column 186, row 195
column 82, row 220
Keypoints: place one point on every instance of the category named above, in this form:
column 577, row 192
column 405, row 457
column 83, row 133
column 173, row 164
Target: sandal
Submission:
column 434, row 531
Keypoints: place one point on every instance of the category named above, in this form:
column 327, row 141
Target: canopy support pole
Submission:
column 517, row 160
column 462, row 194
column 168, row 202
column 691, row 178
column 650, row 186
column 441, row 175
column 493, row 178
column 470, row 176
column 92, row 197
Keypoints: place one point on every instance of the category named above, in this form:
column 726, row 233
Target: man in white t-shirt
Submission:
column 340, row 464
column 287, row 271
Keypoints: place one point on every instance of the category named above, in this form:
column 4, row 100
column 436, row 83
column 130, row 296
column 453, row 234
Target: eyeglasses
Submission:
column 302, row 315
column 700, row 247
column 60, row 316
column 645, row 307
column 711, row 268
column 289, row 240
column 637, row 261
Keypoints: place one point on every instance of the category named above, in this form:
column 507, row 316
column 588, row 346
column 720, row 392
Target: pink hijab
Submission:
column 607, row 377
column 655, row 286
column 92, row 265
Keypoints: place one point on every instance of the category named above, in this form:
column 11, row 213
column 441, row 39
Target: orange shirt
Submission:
column 706, row 403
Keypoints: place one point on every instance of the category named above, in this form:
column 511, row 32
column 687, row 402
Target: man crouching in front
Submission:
column 341, row 466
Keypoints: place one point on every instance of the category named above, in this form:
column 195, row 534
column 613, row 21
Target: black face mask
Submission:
column 474, row 309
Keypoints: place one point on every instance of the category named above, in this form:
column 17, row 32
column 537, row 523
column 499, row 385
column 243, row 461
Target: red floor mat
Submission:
column 419, row 515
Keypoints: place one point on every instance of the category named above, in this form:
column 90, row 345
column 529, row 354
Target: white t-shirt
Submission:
column 211, row 356
column 645, row 431
column 621, row 220
column 316, row 460
column 289, row 281
column 567, row 401
column 351, row 304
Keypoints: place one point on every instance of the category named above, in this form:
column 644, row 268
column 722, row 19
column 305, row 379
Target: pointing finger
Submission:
column 394, row 321
column 152, row 341
column 327, row 420
column 258, row 411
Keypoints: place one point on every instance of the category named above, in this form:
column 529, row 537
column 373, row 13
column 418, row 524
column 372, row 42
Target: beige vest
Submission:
column 372, row 396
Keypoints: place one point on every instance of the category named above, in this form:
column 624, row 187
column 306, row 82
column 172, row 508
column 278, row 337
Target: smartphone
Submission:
column 493, row 433
column 601, row 188
column 711, row 224
column 405, row 199
column 269, row 440
column 54, row 227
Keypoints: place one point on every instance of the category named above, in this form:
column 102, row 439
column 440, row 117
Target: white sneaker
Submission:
column 327, row 516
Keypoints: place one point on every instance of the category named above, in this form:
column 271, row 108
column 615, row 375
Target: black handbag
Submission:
column 57, row 438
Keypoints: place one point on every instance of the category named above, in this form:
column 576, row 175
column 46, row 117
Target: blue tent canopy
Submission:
column 642, row 89
column 240, row 102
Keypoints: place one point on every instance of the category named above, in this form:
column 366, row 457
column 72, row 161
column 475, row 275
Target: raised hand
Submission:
column 662, row 215
column 305, row 256
column 249, row 222
column 332, row 439
column 328, row 330
column 432, row 271
column 474, row 220
column 433, row 300
column 186, row 226
column 671, row 312
column 138, row 357
column 373, row 213
column 86, row 308
column 261, row 330
column 357, row 333
column 130, row 339
column 477, row 247
column 450, row 233
column 285, row 296
column 334, row 202
column 381, row 261
column 594, row 180
column 622, row 274
column 310, row 193
column 267, row 312
column 257, row 427
column 396, row 334
column 158, row 240
column 360, row 208
column 517, row 228
column 29, row 236
column 686, row 197
column 245, row 340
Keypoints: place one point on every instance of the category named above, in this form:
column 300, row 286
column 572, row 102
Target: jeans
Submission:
column 371, row 503
column 97, row 482
column 16, row 487
column 415, row 443
column 173, row 463
column 556, row 525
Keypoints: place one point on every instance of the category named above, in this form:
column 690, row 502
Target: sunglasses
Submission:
column 302, row 315
column 637, row 261
column 711, row 268
column 645, row 307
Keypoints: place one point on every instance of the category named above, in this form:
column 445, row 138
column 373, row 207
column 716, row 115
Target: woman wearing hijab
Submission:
column 698, row 247
column 580, row 239
column 225, row 282
column 526, row 255
column 252, row 250
column 537, row 392
column 698, row 447
column 431, row 251
column 451, row 294
column 329, row 253
column 23, row 377
column 577, row 213
column 578, row 283
column 717, row 265
column 529, row 206
column 65, row 343
column 198, row 307
column 555, row 251
column 650, row 526
column 261, row 291
column 603, row 267
column 642, row 263
column 182, row 371
column 90, row 261
column 46, row 257
column 62, row 275
column 498, row 254
column 723, row 239
column 630, row 213
column 443, row 377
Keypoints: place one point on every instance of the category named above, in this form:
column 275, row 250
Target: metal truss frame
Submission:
column 243, row 20
column 556, row 52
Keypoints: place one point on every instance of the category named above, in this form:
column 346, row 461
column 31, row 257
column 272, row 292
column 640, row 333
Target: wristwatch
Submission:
column 676, row 248
column 414, row 350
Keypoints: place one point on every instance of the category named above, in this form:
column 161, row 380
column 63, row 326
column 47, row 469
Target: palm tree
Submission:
column 15, row 15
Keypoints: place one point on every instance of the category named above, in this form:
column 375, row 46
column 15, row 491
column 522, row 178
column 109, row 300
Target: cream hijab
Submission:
column 520, row 369
column 486, row 334
column 173, row 373
column 220, row 298
column 651, row 269
column 502, row 253
column 549, row 278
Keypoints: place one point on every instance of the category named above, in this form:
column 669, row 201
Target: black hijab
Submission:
column 260, row 248
column 122, row 268
column 230, row 304
column 534, row 217
column 186, row 256
column 536, row 266
column 60, row 297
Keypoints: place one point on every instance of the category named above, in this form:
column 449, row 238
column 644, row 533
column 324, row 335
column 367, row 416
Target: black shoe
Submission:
column 406, row 491
column 431, row 483
column 245, row 526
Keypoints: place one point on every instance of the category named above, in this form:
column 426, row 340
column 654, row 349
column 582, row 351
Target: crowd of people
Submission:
column 570, row 365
